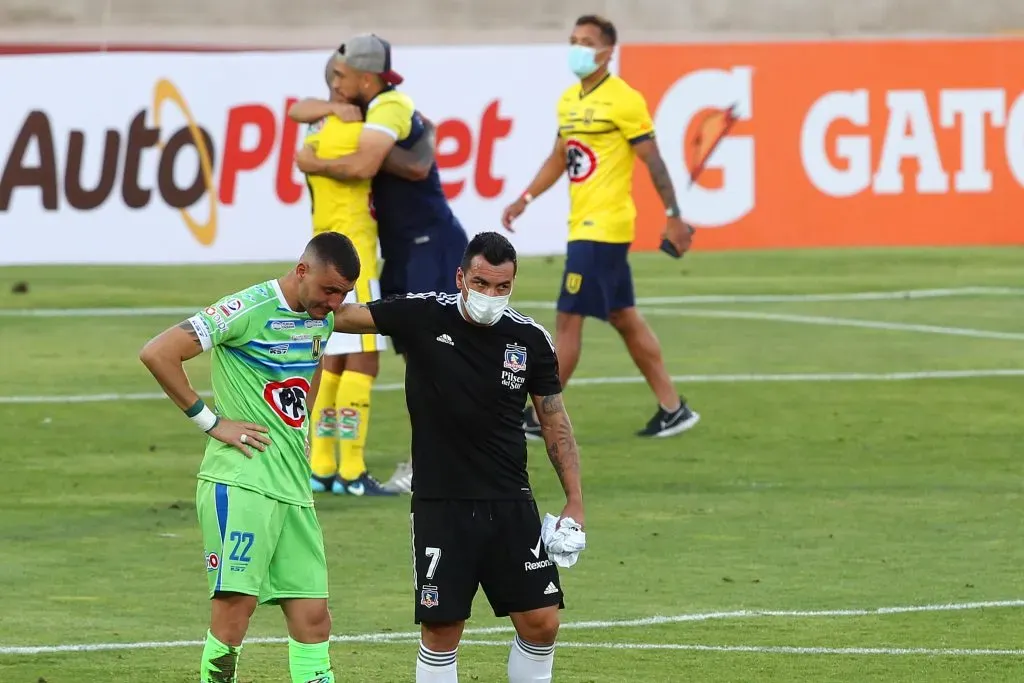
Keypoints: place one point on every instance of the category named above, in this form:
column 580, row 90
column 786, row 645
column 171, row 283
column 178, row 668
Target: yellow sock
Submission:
column 323, row 445
column 353, row 422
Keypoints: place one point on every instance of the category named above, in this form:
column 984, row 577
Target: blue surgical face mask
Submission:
column 582, row 60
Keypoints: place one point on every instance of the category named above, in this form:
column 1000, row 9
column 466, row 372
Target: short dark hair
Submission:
column 495, row 249
column 606, row 27
column 336, row 250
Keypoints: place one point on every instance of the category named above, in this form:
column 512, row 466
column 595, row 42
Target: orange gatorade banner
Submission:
column 837, row 143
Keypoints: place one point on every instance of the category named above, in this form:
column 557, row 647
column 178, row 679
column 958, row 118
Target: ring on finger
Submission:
column 243, row 438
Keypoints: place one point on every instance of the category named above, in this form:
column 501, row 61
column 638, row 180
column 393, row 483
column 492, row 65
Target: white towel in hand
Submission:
column 563, row 541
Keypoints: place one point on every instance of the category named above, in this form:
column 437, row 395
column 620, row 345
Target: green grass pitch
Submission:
column 818, row 481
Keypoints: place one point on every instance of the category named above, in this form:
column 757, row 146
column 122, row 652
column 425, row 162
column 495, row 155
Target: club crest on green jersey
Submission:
column 288, row 400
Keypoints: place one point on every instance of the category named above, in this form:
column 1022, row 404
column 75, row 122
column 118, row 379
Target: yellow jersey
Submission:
column 599, row 130
column 340, row 206
column 391, row 112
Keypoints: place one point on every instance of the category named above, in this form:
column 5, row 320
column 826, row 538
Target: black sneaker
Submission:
column 531, row 427
column 665, row 423
column 364, row 485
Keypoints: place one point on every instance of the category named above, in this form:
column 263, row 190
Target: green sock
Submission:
column 219, row 661
column 309, row 663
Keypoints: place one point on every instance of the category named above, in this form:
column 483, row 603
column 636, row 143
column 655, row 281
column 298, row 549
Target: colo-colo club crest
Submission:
column 515, row 358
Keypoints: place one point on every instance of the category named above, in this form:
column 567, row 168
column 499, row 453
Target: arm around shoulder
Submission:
column 413, row 164
column 309, row 110
column 354, row 319
column 312, row 109
column 364, row 163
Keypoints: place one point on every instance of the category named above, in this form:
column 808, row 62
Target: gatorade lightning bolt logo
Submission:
column 710, row 130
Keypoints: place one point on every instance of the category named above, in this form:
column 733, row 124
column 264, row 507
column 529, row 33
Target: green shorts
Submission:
column 259, row 546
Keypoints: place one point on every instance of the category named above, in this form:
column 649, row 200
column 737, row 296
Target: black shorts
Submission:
column 462, row 544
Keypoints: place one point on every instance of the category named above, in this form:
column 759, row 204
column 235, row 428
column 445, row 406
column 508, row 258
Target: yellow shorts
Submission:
column 367, row 290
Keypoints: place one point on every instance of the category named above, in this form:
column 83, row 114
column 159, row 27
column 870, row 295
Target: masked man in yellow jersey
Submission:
column 341, row 412
column 603, row 125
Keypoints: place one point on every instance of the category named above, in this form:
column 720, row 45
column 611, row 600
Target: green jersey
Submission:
column 264, row 355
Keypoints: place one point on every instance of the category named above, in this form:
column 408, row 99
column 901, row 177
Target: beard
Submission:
column 359, row 100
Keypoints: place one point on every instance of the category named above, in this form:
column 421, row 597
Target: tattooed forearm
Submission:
column 424, row 147
column 552, row 405
column 164, row 356
column 415, row 163
column 430, row 135
column 187, row 326
column 561, row 444
column 662, row 181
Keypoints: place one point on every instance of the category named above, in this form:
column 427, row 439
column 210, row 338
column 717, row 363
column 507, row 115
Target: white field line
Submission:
column 591, row 381
column 643, row 301
column 644, row 304
column 774, row 649
column 840, row 296
column 577, row 625
column 829, row 321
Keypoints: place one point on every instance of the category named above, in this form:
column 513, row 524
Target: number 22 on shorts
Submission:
column 243, row 541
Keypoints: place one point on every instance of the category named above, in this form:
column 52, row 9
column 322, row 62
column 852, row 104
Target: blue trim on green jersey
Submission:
column 259, row 362
column 270, row 343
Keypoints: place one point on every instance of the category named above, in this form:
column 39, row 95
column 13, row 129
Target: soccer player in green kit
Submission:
column 262, row 540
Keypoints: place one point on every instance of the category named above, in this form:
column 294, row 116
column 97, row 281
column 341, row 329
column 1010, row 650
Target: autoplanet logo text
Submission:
column 37, row 131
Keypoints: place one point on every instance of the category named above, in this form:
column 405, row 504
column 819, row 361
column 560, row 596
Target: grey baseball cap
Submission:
column 369, row 52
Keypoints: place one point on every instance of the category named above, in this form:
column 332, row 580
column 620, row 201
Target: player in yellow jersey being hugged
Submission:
column 421, row 240
column 603, row 125
column 341, row 412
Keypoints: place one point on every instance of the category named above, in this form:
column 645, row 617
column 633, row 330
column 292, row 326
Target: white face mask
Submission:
column 483, row 309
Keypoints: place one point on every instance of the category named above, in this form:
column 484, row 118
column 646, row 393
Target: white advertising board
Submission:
column 101, row 162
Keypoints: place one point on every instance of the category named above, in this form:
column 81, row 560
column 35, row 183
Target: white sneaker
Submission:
column 401, row 480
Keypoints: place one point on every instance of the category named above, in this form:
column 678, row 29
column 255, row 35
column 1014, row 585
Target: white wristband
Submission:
column 205, row 419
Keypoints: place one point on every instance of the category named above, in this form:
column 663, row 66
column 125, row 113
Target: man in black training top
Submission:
column 472, row 361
